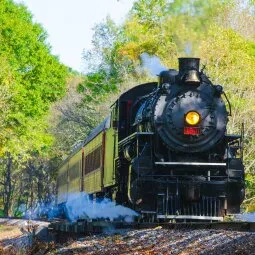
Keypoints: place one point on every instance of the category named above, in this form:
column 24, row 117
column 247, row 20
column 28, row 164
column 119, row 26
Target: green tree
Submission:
column 31, row 80
column 230, row 61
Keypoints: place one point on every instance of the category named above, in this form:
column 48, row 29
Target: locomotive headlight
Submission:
column 192, row 118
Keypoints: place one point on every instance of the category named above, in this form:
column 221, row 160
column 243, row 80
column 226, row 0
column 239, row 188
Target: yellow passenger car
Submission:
column 88, row 169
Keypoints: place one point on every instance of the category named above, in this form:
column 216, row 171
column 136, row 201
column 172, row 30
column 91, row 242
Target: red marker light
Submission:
column 191, row 131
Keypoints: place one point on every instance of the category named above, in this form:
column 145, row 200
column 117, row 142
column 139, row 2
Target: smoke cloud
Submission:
column 152, row 64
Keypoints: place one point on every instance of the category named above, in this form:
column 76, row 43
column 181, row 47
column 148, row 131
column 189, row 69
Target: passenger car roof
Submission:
column 105, row 124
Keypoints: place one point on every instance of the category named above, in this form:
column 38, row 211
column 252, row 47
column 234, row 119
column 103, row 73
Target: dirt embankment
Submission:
column 18, row 236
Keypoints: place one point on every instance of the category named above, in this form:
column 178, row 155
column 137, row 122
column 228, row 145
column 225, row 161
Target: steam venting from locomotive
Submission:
column 79, row 205
column 188, row 69
column 152, row 64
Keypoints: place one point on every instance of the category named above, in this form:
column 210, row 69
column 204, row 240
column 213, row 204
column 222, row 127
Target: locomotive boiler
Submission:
column 164, row 151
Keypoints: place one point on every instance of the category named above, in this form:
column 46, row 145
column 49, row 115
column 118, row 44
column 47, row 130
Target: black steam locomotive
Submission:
column 164, row 150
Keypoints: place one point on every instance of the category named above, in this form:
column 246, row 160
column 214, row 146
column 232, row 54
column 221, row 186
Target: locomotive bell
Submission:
column 189, row 70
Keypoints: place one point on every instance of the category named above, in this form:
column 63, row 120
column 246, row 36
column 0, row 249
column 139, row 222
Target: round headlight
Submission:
column 192, row 118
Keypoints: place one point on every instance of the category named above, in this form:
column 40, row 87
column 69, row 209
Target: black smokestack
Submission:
column 186, row 64
column 189, row 70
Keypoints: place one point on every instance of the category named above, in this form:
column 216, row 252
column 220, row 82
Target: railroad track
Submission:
column 88, row 227
column 96, row 227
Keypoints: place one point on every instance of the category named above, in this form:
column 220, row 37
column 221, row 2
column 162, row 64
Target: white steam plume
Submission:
column 249, row 217
column 79, row 205
column 40, row 209
column 152, row 64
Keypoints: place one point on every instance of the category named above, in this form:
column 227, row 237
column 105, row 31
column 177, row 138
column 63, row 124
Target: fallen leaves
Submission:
column 160, row 241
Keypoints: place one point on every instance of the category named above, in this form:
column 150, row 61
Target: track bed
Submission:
column 116, row 238
column 163, row 241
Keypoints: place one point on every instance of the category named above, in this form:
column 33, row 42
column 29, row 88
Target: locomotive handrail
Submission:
column 190, row 217
column 191, row 164
column 232, row 137
column 229, row 104
column 133, row 135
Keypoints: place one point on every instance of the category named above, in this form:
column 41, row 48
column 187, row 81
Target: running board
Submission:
column 189, row 217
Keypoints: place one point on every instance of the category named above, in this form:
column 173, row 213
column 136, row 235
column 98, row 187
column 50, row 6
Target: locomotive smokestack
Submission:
column 189, row 70
column 186, row 64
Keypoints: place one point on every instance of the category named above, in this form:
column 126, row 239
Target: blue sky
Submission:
column 69, row 23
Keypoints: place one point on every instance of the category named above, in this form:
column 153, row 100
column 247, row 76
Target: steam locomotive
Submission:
column 163, row 151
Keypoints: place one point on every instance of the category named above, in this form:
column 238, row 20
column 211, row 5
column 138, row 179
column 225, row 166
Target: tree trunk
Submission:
column 7, row 186
column 40, row 184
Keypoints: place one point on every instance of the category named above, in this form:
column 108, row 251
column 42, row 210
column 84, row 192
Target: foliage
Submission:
column 31, row 80
column 250, row 182
column 230, row 62
column 36, row 79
